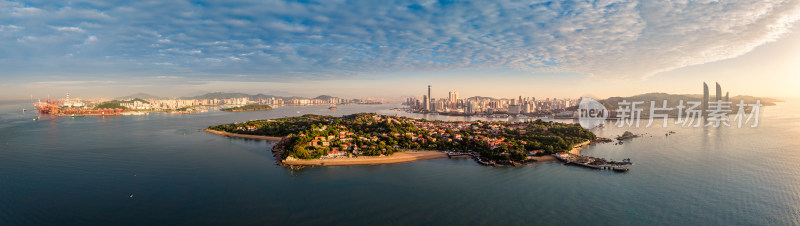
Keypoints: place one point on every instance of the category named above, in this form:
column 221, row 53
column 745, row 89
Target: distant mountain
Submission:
column 673, row 99
column 478, row 98
column 324, row 97
column 223, row 95
column 140, row 96
column 219, row 95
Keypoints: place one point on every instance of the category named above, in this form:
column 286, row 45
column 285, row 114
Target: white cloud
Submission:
column 89, row 40
column 69, row 29
column 10, row 28
column 608, row 38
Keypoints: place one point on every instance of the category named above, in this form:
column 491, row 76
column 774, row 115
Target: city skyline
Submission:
column 287, row 48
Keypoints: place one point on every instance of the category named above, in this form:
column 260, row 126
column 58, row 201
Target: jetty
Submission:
column 593, row 162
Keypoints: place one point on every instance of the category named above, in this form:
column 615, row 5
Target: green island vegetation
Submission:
column 249, row 107
column 115, row 104
column 369, row 134
column 626, row 135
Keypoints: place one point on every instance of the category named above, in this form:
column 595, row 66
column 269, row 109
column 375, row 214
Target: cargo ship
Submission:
column 55, row 108
column 47, row 107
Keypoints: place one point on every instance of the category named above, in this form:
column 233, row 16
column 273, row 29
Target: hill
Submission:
column 224, row 95
column 612, row 103
column 139, row 96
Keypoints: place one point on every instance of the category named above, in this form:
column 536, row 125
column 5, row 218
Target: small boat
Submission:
column 332, row 107
column 620, row 169
column 36, row 119
column 75, row 116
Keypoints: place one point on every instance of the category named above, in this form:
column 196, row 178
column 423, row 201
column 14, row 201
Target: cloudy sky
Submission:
column 394, row 48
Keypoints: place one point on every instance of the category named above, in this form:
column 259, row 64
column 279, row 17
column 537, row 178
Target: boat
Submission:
column 332, row 107
column 36, row 119
column 620, row 169
column 75, row 116
column 133, row 113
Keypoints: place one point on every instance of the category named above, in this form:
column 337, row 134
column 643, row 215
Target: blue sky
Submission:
column 314, row 47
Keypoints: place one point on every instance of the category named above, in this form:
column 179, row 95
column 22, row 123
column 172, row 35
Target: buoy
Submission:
column 131, row 195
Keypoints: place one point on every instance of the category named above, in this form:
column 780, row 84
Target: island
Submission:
column 369, row 138
column 626, row 135
column 249, row 107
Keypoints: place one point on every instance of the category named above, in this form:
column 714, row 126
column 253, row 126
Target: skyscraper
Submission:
column 425, row 102
column 453, row 97
column 718, row 97
column 428, row 102
column 705, row 98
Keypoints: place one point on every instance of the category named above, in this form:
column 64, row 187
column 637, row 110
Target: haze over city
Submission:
column 374, row 49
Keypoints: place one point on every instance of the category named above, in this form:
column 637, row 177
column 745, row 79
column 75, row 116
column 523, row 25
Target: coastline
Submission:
column 576, row 150
column 246, row 110
column 256, row 137
column 545, row 158
column 399, row 157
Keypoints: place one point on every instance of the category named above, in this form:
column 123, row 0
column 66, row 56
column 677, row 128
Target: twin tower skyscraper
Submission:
column 717, row 97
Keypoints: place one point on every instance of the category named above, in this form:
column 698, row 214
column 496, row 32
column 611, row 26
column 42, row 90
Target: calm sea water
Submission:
column 84, row 171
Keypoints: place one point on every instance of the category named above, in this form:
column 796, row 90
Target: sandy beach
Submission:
column 256, row 137
column 545, row 158
column 549, row 158
column 576, row 150
column 398, row 157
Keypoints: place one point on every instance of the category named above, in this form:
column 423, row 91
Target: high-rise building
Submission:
column 428, row 103
column 453, row 97
column 705, row 98
column 718, row 97
column 472, row 107
column 514, row 109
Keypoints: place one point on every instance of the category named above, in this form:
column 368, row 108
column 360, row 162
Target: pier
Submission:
column 593, row 162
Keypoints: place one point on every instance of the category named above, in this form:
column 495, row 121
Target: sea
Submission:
column 162, row 168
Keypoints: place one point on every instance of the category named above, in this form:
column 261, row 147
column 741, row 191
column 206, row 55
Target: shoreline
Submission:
column 576, row 150
column 245, row 110
column 545, row 158
column 256, row 137
column 399, row 157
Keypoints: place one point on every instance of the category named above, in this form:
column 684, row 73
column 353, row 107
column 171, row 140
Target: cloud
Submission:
column 69, row 29
column 332, row 39
column 9, row 28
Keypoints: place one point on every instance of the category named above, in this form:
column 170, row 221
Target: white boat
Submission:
column 133, row 113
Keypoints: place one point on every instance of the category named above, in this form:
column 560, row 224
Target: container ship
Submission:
column 57, row 108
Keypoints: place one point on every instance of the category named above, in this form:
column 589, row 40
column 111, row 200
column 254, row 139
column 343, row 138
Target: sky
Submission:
column 498, row 48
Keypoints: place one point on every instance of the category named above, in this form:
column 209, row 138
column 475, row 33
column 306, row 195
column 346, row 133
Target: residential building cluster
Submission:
column 484, row 105
column 161, row 104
